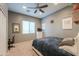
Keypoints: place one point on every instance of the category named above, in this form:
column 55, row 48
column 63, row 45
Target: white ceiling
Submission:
column 18, row 7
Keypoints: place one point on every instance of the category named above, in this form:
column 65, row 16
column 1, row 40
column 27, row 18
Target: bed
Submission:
column 49, row 46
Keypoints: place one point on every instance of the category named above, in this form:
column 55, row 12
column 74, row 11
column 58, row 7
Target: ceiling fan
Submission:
column 39, row 8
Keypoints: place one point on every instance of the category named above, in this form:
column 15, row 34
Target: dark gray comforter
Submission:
column 49, row 46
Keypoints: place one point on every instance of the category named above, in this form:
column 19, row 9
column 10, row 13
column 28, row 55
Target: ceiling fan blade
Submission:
column 32, row 7
column 35, row 11
column 44, row 6
column 41, row 10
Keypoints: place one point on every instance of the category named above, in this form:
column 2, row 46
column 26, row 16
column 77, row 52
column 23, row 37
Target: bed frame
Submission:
column 36, row 51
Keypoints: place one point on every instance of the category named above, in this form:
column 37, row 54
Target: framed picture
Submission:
column 15, row 28
column 67, row 23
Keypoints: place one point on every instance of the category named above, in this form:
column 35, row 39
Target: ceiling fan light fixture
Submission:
column 24, row 7
column 40, row 13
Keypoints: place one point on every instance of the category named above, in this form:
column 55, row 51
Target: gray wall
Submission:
column 17, row 18
column 55, row 29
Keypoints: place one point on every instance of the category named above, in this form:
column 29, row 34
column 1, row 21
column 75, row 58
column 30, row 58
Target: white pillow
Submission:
column 67, row 41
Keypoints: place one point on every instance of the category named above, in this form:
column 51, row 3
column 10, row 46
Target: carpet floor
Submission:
column 22, row 49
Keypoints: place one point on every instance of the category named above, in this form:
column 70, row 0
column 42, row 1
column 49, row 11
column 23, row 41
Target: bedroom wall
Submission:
column 17, row 18
column 55, row 29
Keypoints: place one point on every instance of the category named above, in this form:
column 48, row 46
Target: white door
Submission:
column 3, row 34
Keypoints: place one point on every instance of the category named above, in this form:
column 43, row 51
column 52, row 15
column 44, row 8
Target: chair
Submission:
column 11, row 42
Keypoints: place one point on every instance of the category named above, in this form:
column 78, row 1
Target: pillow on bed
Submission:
column 67, row 41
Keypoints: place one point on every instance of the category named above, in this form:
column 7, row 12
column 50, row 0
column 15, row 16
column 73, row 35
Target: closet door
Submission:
column 3, row 34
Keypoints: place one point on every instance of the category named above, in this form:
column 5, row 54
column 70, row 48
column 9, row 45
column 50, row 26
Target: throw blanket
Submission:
column 49, row 46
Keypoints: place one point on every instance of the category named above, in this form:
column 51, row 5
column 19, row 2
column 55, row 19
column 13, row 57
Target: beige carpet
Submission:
column 22, row 49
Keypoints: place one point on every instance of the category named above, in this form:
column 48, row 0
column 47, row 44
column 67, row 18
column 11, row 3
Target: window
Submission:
column 28, row 27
